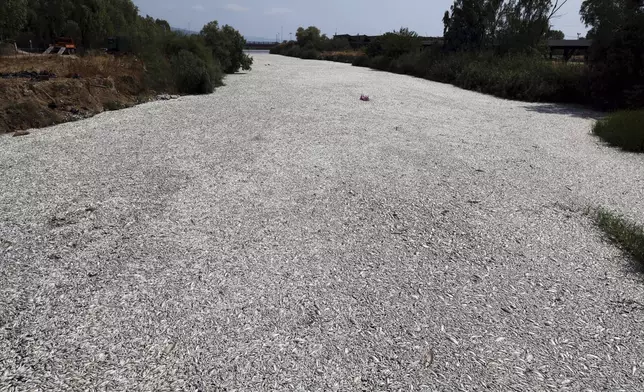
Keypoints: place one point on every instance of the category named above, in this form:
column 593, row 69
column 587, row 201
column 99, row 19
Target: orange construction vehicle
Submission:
column 62, row 45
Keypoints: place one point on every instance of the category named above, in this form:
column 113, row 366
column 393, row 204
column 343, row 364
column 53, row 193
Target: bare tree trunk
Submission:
column 556, row 7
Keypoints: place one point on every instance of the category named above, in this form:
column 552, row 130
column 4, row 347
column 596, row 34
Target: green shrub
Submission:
column 381, row 63
column 409, row 64
column 192, row 75
column 336, row 44
column 627, row 235
column 337, row 57
column 521, row 77
column 617, row 65
column 395, row 44
column 310, row 54
column 310, row 38
column 168, row 68
column 227, row 47
column 113, row 105
column 361, row 61
column 623, row 129
column 277, row 49
column 293, row 51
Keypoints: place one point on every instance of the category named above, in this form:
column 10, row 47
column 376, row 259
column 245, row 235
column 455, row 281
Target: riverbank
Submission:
column 38, row 91
column 432, row 236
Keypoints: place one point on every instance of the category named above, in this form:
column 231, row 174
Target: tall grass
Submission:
column 520, row 77
column 627, row 235
column 340, row 56
column 623, row 129
column 100, row 64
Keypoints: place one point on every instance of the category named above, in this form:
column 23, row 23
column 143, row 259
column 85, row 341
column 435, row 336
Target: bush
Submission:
column 381, row 63
column 169, row 58
column 168, row 68
column 617, row 66
column 192, row 75
column 310, row 38
column 361, row 61
column 394, row 45
column 627, row 235
column 336, row 44
column 340, row 57
column 277, row 49
column 227, row 47
column 113, row 105
column 310, row 54
column 293, row 51
column 527, row 78
column 623, row 129
column 409, row 64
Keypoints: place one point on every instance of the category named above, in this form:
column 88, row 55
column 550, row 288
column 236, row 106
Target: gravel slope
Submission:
column 280, row 234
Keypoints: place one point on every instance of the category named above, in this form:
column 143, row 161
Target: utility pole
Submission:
column 290, row 36
column 282, row 34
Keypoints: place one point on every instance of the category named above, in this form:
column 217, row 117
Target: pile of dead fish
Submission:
column 33, row 75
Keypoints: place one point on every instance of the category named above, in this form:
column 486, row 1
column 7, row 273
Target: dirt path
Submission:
column 280, row 234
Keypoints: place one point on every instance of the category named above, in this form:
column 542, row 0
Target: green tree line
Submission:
column 499, row 47
column 174, row 61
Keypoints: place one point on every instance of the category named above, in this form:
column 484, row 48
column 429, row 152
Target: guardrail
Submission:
column 260, row 45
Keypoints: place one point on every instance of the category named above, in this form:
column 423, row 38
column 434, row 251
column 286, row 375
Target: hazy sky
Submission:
column 265, row 18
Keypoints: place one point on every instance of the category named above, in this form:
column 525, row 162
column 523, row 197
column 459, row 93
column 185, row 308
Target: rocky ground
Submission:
column 281, row 234
column 38, row 91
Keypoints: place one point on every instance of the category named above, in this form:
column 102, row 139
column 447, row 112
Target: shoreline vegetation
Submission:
column 503, row 52
column 627, row 235
column 151, row 58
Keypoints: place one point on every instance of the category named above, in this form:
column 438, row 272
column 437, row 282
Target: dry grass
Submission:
column 623, row 129
column 83, row 86
column 351, row 53
column 86, row 66
column 626, row 234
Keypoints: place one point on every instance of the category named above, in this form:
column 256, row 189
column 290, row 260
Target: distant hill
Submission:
column 184, row 31
column 251, row 38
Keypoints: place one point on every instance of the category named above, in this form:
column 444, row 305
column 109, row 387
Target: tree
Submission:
column 12, row 18
column 555, row 34
column 227, row 46
column 617, row 54
column 526, row 23
column 90, row 21
column 191, row 73
column 337, row 43
column 607, row 15
column 309, row 38
column 395, row 44
column 467, row 25
column 163, row 24
column 235, row 44
column 507, row 24
column 87, row 17
column 214, row 39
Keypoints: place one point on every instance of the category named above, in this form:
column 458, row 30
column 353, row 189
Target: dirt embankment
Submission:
column 38, row 91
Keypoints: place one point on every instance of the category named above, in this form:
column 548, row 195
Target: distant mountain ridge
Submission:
column 184, row 31
column 249, row 38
